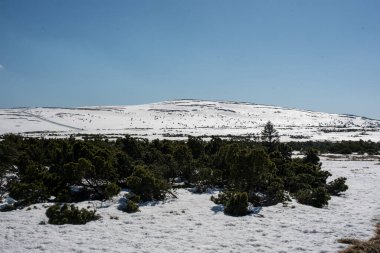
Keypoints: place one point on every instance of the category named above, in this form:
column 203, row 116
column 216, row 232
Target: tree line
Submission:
column 342, row 147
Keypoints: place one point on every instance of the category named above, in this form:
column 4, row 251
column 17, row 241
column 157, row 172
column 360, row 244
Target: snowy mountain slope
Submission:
column 177, row 119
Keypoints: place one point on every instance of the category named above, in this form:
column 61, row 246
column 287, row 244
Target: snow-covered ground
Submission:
column 192, row 223
column 178, row 119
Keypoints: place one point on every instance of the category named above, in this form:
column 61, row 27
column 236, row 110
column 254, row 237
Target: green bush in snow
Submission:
column 69, row 214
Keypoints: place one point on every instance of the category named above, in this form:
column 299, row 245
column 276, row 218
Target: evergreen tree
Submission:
column 196, row 146
column 270, row 136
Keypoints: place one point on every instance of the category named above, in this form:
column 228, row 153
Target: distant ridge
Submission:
column 177, row 119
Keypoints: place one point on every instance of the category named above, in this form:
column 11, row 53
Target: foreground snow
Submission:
column 192, row 223
column 178, row 119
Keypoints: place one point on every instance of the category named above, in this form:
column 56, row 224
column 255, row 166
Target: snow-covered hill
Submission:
column 178, row 119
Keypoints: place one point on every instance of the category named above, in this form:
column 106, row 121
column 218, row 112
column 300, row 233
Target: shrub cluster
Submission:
column 343, row 147
column 95, row 168
column 7, row 208
column 143, row 183
column 130, row 207
column 236, row 203
column 337, row 186
column 69, row 214
column 317, row 197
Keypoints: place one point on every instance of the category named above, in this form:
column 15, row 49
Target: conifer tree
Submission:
column 270, row 136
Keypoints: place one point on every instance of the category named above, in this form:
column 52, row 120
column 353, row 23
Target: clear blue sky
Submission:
column 321, row 55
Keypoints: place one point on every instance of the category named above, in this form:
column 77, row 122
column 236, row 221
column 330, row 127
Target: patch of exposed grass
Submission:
column 358, row 246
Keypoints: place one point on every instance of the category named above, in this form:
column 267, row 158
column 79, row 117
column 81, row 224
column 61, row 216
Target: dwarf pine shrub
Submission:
column 235, row 203
column 317, row 197
column 69, row 214
column 337, row 186
column 143, row 183
column 7, row 208
column 131, row 207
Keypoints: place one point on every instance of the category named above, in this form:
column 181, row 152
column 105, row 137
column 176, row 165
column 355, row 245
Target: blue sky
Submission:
column 322, row 55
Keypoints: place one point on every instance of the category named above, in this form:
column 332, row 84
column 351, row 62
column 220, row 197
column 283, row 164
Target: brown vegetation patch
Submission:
column 358, row 246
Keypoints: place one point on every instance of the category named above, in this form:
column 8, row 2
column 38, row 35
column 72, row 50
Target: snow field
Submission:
column 178, row 119
column 192, row 223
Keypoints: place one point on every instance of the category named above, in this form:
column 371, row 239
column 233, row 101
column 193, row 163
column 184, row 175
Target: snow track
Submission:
column 50, row 121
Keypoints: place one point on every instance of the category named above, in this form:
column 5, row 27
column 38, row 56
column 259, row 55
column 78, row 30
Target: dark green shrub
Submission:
column 64, row 214
column 111, row 190
column 237, row 205
column 311, row 156
column 130, row 203
column 143, row 183
column 183, row 158
column 345, row 151
column 76, row 170
column 337, row 186
column 196, row 146
column 29, row 193
column 205, row 178
column 134, row 198
column 317, row 197
column 222, row 198
column 274, row 193
column 256, row 199
column 7, row 208
column 130, row 207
